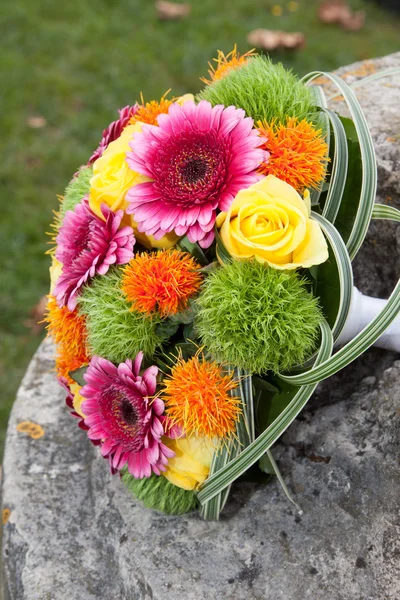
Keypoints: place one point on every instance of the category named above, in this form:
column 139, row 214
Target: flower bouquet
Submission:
column 201, row 276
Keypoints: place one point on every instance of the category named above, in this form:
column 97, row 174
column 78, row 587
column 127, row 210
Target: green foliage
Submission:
column 266, row 91
column 158, row 493
column 114, row 331
column 257, row 318
column 77, row 188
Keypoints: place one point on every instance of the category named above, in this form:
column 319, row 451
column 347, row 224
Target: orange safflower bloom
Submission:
column 149, row 111
column 233, row 60
column 298, row 153
column 68, row 330
column 161, row 282
column 197, row 398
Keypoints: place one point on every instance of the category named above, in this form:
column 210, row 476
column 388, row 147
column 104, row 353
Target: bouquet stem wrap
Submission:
column 363, row 309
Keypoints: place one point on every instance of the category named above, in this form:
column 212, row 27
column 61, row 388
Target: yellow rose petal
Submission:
column 55, row 272
column 191, row 464
column 269, row 221
column 78, row 399
column 313, row 250
column 112, row 176
column 281, row 190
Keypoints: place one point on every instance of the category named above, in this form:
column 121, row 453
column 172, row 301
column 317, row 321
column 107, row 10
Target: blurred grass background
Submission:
column 70, row 66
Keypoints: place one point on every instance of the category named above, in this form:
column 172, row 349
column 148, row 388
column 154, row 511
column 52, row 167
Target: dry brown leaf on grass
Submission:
column 36, row 122
column 339, row 12
column 172, row 10
column 269, row 40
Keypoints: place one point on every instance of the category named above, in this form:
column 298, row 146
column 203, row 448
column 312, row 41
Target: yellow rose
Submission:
column 269, row 221
column 191, row 464
column 55, row 272
column 185, row 98
column 112, row 177
column 78, row 399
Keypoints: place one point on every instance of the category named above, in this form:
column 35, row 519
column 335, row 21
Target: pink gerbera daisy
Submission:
column 87, row 245
column 123, row 415
column 114, row 130
column 198, row 157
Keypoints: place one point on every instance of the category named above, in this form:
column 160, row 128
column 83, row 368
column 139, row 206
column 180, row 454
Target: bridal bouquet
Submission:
column 201, row 276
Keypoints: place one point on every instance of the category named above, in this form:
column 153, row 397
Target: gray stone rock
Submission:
column 75, row 533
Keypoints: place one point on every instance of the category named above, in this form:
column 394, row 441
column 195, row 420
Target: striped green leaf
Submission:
column 323, row 123
column 383, row 211
column 245, row 431
column 339, row 168
column 345, row 272
column 369, row 174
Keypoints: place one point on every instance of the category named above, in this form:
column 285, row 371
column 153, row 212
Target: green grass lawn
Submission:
column 74, row 63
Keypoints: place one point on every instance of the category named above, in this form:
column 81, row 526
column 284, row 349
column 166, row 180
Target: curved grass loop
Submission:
column 369, row 171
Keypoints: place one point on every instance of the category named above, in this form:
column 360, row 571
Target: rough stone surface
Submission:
column 75, row 533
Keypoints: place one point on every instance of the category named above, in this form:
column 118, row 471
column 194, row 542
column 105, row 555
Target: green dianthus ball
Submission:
column 77, row 188
column 266, row 91
column 114, row 331
column 158, row 493
column 257, row 318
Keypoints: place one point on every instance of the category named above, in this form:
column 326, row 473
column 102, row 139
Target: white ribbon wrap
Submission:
column 363, row 309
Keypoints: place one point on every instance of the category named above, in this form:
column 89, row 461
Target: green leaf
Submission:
column 262, row 384
column 184, row 317
column 77, row 375
column 222, row 253
column 188, row 349
column 272, row 403
column 327, row 287
column 209, row 268
column 189, row 332
column 350, row 200
column 268, row 462
column 194, row 249
column 339, row 275
column 166, row 329
column 265, row 465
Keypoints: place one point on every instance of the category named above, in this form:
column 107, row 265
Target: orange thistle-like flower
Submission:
column 298, row 153
column 149, row 111
column 161, row 282
column 68, row 330
column 233, row 60
column 197, row 398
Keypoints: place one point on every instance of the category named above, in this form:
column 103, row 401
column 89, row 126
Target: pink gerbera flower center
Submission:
column 123, row 414
column 191, row 170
